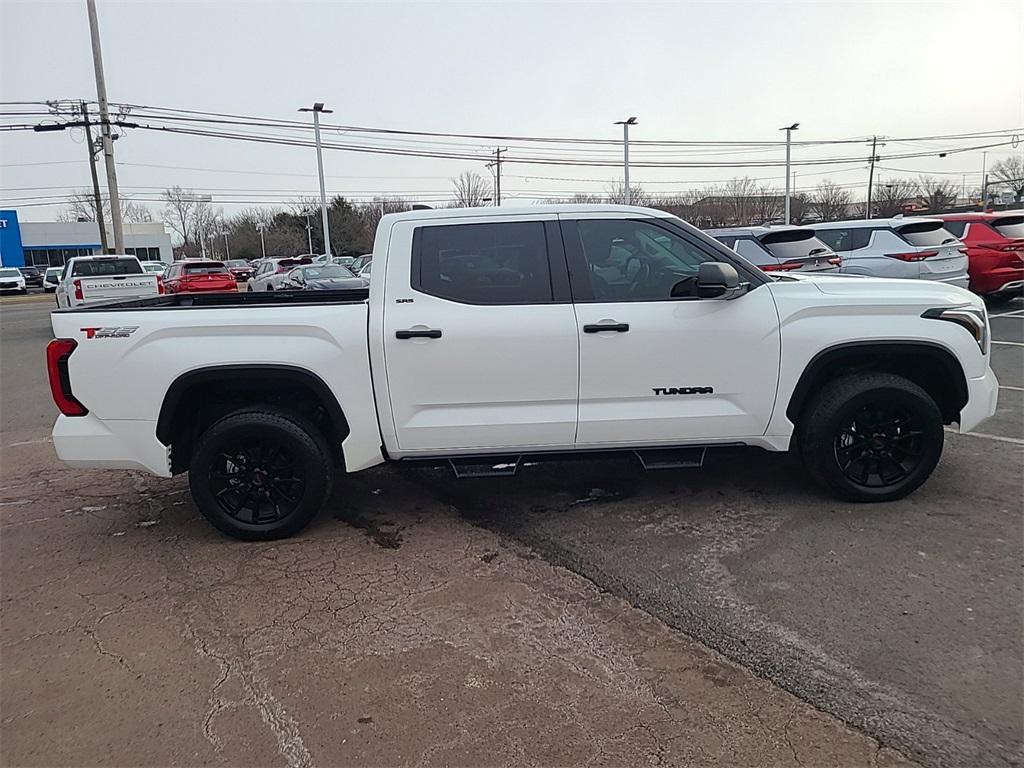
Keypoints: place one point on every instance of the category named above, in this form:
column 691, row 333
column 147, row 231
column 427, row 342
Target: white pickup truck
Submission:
column 490, row 335
column 102, row 279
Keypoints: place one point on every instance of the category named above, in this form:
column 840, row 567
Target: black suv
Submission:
column 33, row 277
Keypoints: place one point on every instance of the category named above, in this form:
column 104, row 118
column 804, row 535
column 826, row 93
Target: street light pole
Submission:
column 227, row 248
column 309, row 233
column 789, row 132
column 984, row 181
column 316, row 109
column 625, row 153
column 108, row 142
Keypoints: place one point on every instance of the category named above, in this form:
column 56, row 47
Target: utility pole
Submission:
column 108, row 142
column 789, row 133
column 260, row 226
column 871, row 175
column 95, row 178
column 984, row 180
column 497, row 173
column 316, row 109
column 625, row 153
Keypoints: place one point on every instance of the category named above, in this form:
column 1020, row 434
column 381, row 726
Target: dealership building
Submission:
column 52, row 243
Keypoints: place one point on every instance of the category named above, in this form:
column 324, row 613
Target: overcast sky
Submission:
column 689, row 71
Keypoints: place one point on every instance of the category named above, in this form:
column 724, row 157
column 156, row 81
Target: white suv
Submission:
column 11, row 279
column 904, row 248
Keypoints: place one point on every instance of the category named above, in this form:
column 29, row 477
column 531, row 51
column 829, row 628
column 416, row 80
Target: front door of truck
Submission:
column 479, row 334
column 660, row 366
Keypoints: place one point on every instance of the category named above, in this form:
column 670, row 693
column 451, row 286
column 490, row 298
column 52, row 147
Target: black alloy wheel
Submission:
column 870, row 436
column 260, row 473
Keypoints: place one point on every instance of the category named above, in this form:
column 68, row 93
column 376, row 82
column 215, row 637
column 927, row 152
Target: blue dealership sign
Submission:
column 11, row 252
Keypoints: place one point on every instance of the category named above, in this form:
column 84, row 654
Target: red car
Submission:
column 199, row 275
column 995, row 250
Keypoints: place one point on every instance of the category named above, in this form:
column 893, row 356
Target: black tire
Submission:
column 871, row 436
column 248, row 288
column 261, row 474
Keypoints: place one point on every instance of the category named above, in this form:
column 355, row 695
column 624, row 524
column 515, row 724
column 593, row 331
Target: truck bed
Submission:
column 228, row 300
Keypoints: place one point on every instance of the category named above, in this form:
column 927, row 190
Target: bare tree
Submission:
column 1011, row 173
column 371, row 213
column 767, row 205
column 830, row 201
column 739, row 196
column 616, row 193
column 891, row 195
column 82, row 207
column 471, row 190
column 179, row 206
column 939, row 193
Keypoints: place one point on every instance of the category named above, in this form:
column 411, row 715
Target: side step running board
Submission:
column 485, row 466
column 671, row 458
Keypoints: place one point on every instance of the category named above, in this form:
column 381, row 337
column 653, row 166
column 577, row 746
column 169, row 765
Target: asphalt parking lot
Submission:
column 580, row 613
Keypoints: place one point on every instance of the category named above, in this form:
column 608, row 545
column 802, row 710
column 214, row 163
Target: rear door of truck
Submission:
column 479, row 335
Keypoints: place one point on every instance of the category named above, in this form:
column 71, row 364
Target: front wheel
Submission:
column 871, row 436
column 261, row 474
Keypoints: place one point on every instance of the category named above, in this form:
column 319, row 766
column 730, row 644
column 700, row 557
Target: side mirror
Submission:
column 718, row 280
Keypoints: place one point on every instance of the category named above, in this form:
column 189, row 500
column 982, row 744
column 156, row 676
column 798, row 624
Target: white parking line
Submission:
column 999, row 438
column 1010, row 343
column 1015, row 389
column 1013, row 313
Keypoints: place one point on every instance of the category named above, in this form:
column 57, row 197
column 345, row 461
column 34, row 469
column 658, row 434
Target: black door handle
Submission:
column 599, row 327
column 430, row 333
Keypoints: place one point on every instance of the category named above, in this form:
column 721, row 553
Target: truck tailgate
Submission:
column 116, row 287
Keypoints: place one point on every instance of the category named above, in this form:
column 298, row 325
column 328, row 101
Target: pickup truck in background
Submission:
column 101, row 279
column 489, row 335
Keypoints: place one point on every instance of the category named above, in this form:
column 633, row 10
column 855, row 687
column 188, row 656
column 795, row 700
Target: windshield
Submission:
column 53, row 272
column 237, row 264
column 204, row 269
column 795, row 244
column 99, row 267
column 926, row 234
column 330, row 272
column 153, row 267
column 9, row 273
column 1011, row 227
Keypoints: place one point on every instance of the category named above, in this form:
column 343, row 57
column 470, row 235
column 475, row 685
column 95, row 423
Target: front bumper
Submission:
column 87, row 441
column 982, row 399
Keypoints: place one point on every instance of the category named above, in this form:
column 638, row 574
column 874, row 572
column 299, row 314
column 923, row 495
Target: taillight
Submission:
column 57, row 353
column 785, row 266
column 913, row 255
column 159, row 285
column 78, row 290
column 835, row 262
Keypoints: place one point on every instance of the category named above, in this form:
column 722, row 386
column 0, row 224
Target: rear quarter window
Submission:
column 956, row 228
column 926, row 234
column 1011, row 227
column 794, row 244
column 753, row 251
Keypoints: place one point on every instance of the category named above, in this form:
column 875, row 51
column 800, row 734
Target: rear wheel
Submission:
column 261, row 474
column 871, row 436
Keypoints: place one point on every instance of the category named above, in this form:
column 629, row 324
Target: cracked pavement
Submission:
column 423, row 622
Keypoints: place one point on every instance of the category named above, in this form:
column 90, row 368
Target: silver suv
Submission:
column 907, row 248
column 779, row 249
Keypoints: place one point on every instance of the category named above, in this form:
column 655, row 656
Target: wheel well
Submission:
column 197, row 399
column 931, row 367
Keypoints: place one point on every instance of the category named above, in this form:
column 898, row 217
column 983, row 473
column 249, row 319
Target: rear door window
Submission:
column 926, row 234
column 794, row 244
column 500, row 263
column 956, row 228
column 1011, row 227
column 752, row 250
column 102, row 267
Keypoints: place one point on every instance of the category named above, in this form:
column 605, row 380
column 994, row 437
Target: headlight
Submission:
column 975, row 321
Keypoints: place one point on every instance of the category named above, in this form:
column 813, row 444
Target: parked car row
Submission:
column 980, row 251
